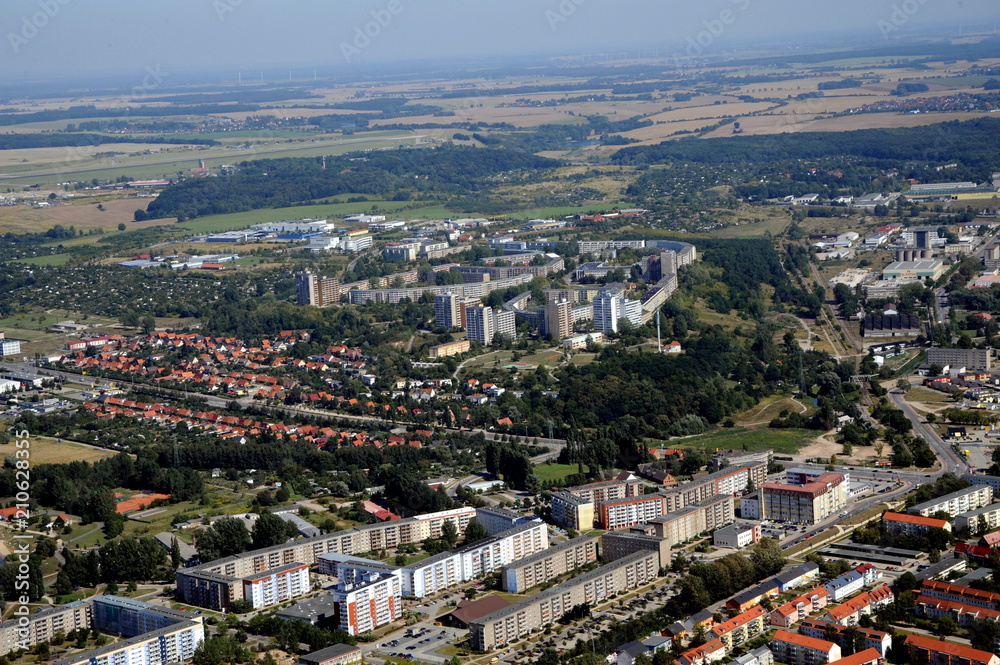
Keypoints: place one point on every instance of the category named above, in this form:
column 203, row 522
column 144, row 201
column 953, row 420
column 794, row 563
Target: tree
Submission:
column 148, row 324
column 175, row 553
column 854, row 641
column 449, row 532
column 903, row 385
column 114, row 524
column 226, row 536
column 767, row 558
column 475, row 531
column 122, row 227
column 270, row 530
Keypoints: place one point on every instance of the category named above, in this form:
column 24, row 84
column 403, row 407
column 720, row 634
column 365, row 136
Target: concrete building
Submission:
column 338, row 654
column 736, row 536
column 799, row 608
column 558, row 320
column 402, row 251
column 9, row 347
column 796, row 649
column 623, row 513
column 497, row 520
column 984, row 479
column 964, row 615
column 809, row 503
column 742, row 627
column 929, row 651
column 311, row 289
column 957, row 358
column 912, row 525
column 173, row 644
column 960, row 594
column 572, row 511
column 455, row 348
column 618, row 545
column 607, row 311
column 909, row 271
column 43, row 625
column 522, row 574
column 962, row 501
column 505, row 626
column 864, row 604
column 215, row 584
column 276, row 585
column 368, row 602
column 446, row 311
column 684, row 524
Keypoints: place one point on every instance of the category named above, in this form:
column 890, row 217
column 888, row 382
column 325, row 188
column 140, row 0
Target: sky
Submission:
column 53, row 39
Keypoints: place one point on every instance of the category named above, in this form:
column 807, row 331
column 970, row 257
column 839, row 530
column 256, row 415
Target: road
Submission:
column 950, row 460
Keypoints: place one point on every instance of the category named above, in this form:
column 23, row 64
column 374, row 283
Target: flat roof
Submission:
column 331, row 652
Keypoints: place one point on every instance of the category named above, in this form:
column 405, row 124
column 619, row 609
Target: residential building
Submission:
column 276, row 585
column 558, row 320
column 742, row 627
column 607, row 312
column 311, row 289
column 215, row 584
column 960, row 594
column 505, row 626
column 866, row 657
column 43, row 625
column 447, row 569
column 986, row 518
column 583, row 341
column 338, row 654
column 796, row 649
column 928, row 651
column 751, row 506
column 709, row 652
column 911, row 525
column 874, row 639
column 758, row 656
column 127, row 617
column 962, row 501
column 623, row 513
column 479, row 324
column 522, row 574
column 172, row 644
column 737, row 536
column 446, row 311
column 809, row 503
column 964, row 615
column 402, row 251
column 797, row 576
column 618, row 545
column 864, row 604
column 572, row 511
column 799, row 608
column 455, row 348
column 368, row 602
column 686, row 523
column 957, row 358
column 9, row 347
column 496, row 519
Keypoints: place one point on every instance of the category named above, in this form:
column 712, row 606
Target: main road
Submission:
column 950, row 460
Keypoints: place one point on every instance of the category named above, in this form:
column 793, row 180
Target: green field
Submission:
column 51, row 260
column 241, row 220
column 780, row 440
column 553, row 474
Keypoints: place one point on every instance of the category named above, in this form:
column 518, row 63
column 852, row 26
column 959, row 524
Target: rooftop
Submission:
column 803, row 641
column 956, row 650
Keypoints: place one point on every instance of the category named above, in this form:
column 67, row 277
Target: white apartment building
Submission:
column 276, row 585
column 374, row 601
column 962, row 501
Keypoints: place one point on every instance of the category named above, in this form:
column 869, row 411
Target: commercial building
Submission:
column 736, row 536
column 799, row 608
column 962, row 501
column 809, row 503
column 295, row 229
column 912, row 525
column 583, row 341
column 796, row 649
column 924, row 269
column 618, row 545
column 215, row 584
column 338, row 654
column 928, row 651
column 874, row 639
column 520, row 575
column 311, row 289
column 521, row 619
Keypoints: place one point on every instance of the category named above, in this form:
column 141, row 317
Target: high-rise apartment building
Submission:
column 311, row 289
column 558, row 320
column 446, row 311
column 479, row 324
column 607, row 311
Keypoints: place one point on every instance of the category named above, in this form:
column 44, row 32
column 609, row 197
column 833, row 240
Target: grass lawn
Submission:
column 51, row 260
column 927, row 396
column 552, row 474
column 45, row 450
column 781, row 440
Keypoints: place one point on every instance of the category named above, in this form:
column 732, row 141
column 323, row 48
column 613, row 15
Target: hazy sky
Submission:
column 56, row 38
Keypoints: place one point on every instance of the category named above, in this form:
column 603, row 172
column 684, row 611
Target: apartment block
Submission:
column 742, row 627
column 809, row 503
column 964, row 615
column 311, row 289
column 496, row 519
column 709, row 652
column 913, row 525
column 796, row 649
column 874, row 639
column 447, row 569
column 706, row 515
column 618, row 545
column 521, row 619
column 572, row 511
column 731, row 481
column 986, row 518
column 338, row 654
column 43, row 625
column 962, row 501
column 446, row 311
column 864, row 604
column 558, row 320
column 928, row 651
column 173, row 644
column 522, row 574
column 846, row 585
column 799, row 608
column 984, row 479
column 217, row 583
column 276, row 585
column 623, row 513
column 129, row 618
column 960, row 594
column 368, row 603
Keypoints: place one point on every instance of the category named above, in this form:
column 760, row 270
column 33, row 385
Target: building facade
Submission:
column 522, row 574
column 962, row 501
column 809, row 503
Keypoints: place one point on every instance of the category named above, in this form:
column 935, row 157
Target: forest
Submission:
column 444, row 171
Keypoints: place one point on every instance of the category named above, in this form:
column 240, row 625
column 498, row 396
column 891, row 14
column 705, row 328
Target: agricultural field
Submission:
column 45, row 450
column 786, row 441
